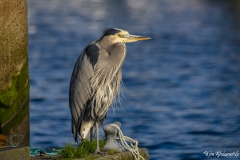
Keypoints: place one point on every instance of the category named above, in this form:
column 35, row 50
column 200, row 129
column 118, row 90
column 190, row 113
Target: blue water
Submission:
column 182, row 88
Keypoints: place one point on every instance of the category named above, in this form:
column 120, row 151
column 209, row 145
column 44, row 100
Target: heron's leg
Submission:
column 98, row 149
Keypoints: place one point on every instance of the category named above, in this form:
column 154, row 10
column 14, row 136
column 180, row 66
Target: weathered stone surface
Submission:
column 11, row 153
column 126, row 155
column 14, row 81
column 118, row 156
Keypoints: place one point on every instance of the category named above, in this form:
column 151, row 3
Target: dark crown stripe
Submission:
column 111, row 31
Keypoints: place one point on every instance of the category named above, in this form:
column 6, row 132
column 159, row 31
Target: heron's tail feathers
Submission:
column 85, row 129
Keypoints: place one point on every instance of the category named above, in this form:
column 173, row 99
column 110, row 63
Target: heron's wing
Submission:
column 81, row 90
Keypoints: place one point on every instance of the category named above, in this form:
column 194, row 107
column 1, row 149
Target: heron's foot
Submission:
column 99, row 152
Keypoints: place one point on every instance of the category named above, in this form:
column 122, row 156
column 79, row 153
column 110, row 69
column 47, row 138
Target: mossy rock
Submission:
column 14, row 79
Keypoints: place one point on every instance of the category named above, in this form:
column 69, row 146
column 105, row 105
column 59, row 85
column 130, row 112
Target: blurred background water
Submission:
column 182, row 88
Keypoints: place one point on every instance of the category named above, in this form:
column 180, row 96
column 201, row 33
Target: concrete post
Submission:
column 14, row 80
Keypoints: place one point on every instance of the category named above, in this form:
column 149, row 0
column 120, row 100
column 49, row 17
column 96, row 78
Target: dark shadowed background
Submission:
column 182, row 88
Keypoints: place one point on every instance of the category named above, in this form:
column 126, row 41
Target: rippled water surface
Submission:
column 182, row 88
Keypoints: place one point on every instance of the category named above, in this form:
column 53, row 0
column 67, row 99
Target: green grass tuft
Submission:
column 84, row 149
column 111, row 151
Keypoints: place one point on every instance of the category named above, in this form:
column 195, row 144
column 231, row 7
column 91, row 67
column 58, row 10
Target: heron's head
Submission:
column 119, row 35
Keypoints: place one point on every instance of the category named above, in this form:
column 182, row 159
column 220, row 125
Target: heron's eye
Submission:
column 119, row 35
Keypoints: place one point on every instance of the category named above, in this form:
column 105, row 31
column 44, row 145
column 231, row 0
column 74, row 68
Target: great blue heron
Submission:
column 96, row 80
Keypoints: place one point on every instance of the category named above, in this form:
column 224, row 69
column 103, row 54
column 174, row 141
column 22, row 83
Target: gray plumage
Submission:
column 95, row 81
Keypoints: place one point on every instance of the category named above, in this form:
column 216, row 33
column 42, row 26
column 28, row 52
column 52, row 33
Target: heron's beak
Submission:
column 133, row 38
